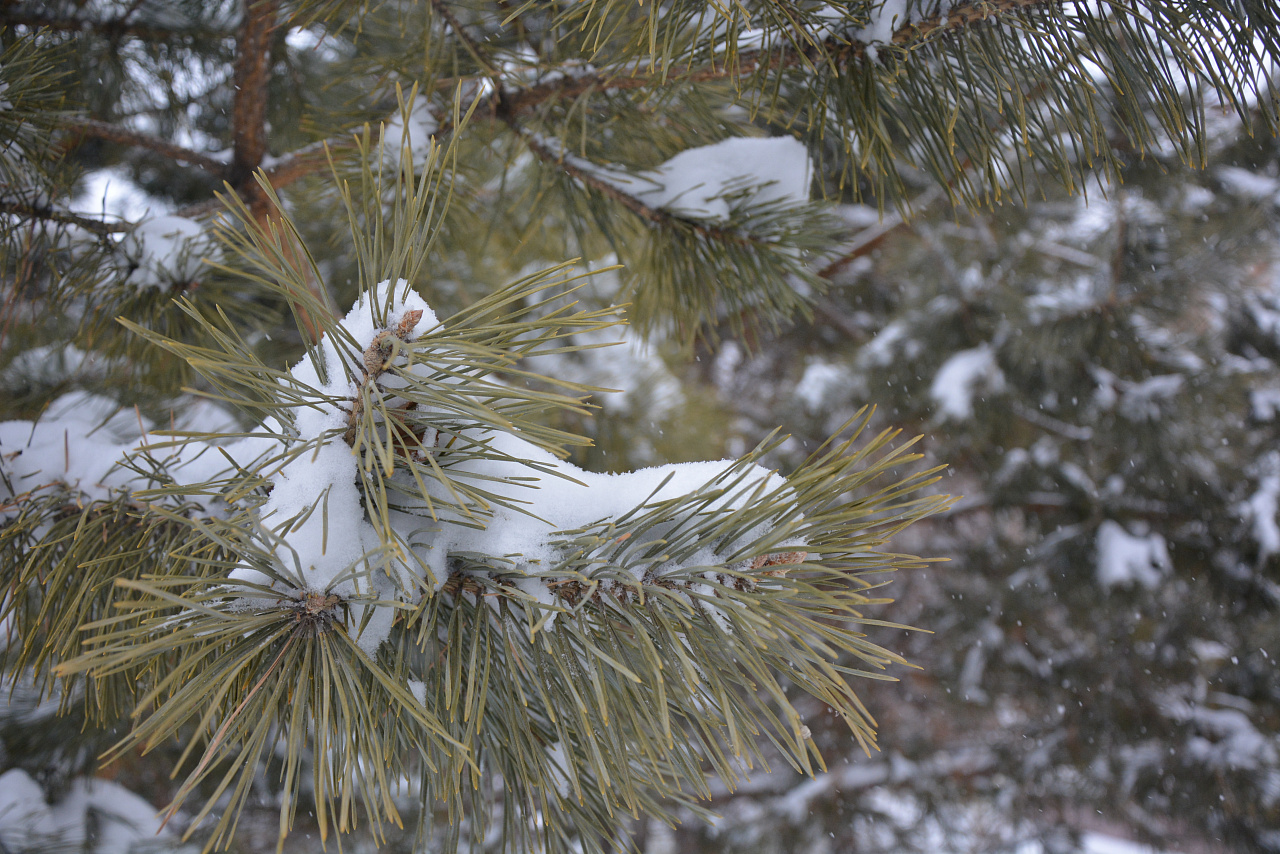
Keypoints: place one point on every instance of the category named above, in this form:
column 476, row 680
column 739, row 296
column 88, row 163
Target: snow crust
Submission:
column 1126, row 560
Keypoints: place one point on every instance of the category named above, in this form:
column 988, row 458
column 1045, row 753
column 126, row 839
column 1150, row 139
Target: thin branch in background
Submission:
column 125, row 136
column 443, row 10
column 114, row 27
column 49, row 214
column 869, row 238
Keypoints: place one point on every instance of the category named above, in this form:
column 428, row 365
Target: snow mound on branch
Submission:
column 964, row 376
column 165, row 251
column 558, row 496
column 888, row 16
column 108, row 816
column 316, row 524
column 410, row 130
column 1126, row 560
column 81, row 439
column 317, row 517
column 315, row 511
column 697, row 181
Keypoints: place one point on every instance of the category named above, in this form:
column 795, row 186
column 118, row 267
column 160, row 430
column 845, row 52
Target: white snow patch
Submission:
column 121, row 821
column 558, row 767
column 1248, row 185
column 818, row 382
column 889, row 343
column 113, row 194
column 964, row 376
column 890, row 15
column 1264, row 403
column 1261, row 507
column 1141, row 400
column 697, row 181
column 1125, row 560
column 410, row 129
column 165, row 251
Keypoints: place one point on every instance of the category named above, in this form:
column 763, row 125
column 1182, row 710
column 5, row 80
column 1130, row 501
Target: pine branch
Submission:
column 443, row 10
column 514, row 101
column 585, row 174
column 837, row 51
column 125, row 136
column 50, row 214
column 112, row 28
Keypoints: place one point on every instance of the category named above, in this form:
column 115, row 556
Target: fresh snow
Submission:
column 81, row 439
column 104, row 814
column 112, row 193
column 315, row 520
column 697, row 181
column 411, row 130
column 889, row 16
column 317, row 517
column 1126, row 560
column 1261, row 508
column 819, row 380
column 964, row 376
column 711, row 181
column 164, row 251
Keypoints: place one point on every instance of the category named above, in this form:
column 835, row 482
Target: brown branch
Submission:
column 49, row 214
column 111, row 28
column 125, row 136
column 249, row 111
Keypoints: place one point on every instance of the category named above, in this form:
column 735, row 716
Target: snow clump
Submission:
column 165, row 251
column 1126, row 560
column 698, row 182
column 963, row 377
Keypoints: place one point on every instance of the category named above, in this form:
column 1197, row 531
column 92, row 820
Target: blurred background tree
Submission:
column 1041, row 233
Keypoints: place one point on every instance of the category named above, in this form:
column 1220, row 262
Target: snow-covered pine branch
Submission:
column 390, row 499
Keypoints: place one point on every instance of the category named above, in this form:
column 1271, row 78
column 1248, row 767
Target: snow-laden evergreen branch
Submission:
column 391, row 503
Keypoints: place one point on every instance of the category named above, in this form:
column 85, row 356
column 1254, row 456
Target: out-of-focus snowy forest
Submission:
column 1097, row 367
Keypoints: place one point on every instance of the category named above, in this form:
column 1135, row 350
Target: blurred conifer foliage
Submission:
column 318, row 517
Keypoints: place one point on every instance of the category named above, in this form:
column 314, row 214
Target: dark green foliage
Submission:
column 636, row 666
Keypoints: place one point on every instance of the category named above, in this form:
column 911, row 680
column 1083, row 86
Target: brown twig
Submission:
column 125, row 136
column 49, row 214
column 113, row 28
